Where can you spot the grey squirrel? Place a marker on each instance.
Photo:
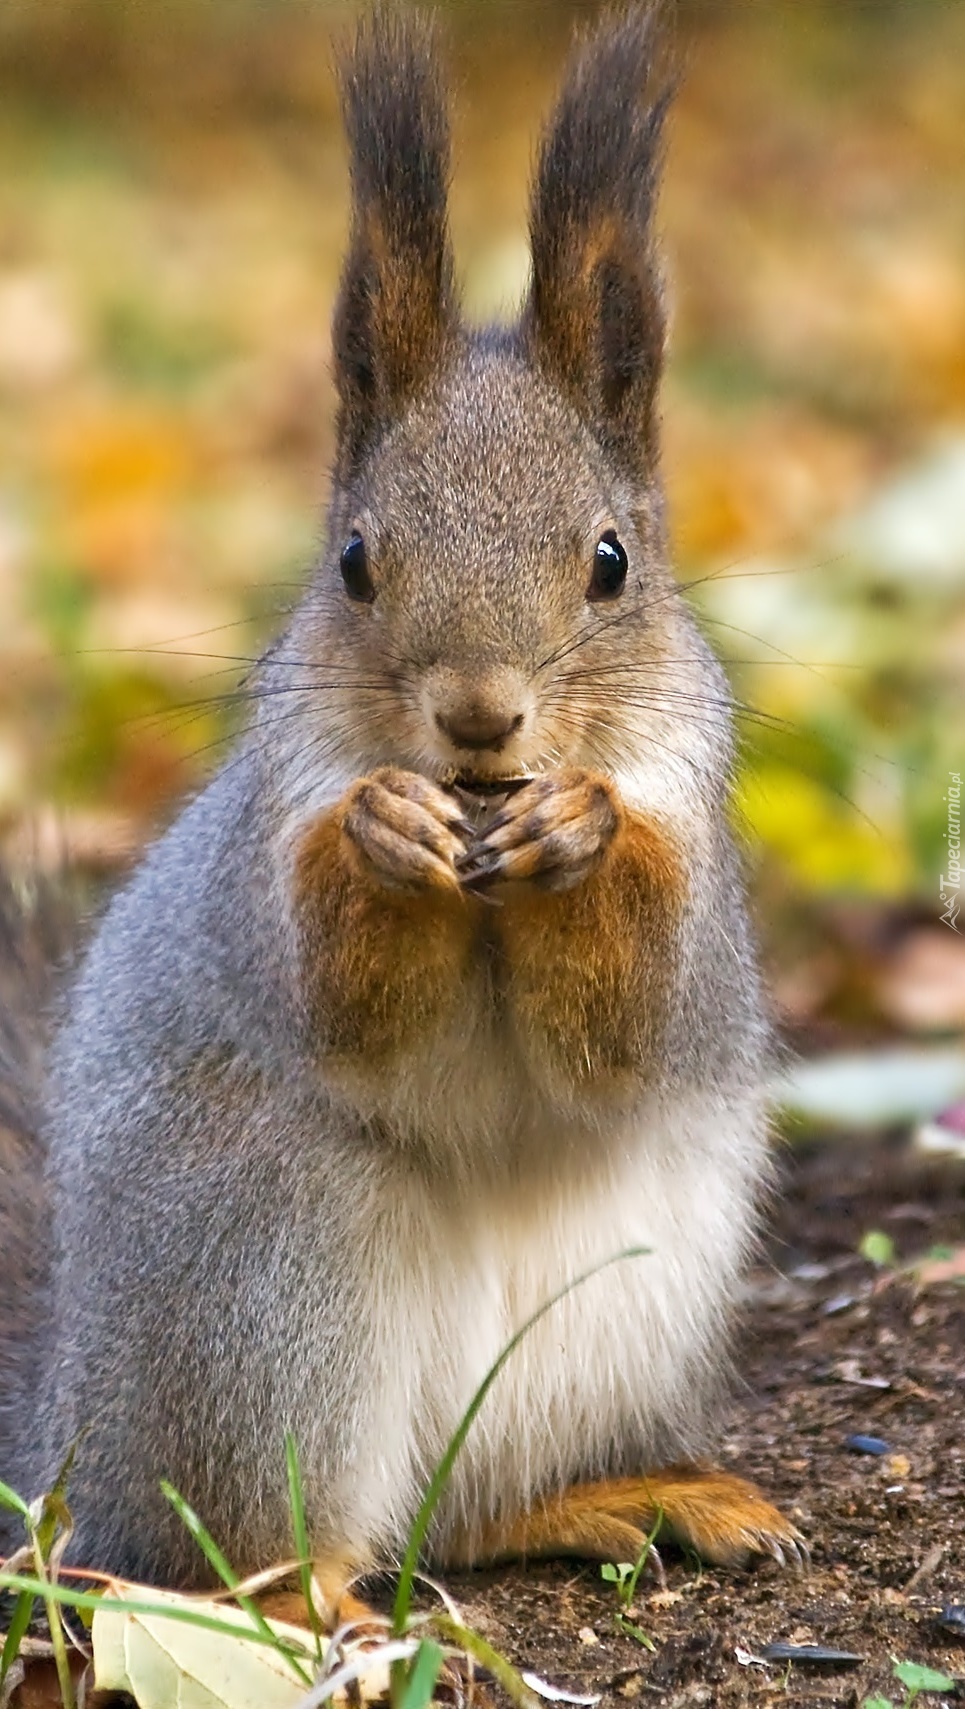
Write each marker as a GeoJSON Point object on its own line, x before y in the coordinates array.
{"type": "Point", "coordinates": [442, 990]}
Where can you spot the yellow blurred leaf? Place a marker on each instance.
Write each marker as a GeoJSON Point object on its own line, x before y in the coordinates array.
{"type": "Point", "coordinates": [825, 843]}
{"type": "Point", "coordinates": [118, 452]}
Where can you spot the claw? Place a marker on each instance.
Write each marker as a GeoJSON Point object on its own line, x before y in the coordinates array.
{"type": "Point", "coordinates": [503, 817]}
{"type": "Point", "coordinates": [475, 868]}
{"type": "Point", "coordinates": [790, 1551]}
{"type": "Point", "coordinates": [655, 1562]}
{"type": "Point", "coordinates": [481, 895]}
{"type": "Point", "coordinates": [458, 822]}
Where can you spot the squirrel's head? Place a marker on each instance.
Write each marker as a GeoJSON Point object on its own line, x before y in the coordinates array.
{"type": "Point", "coordinates": [495, 596]}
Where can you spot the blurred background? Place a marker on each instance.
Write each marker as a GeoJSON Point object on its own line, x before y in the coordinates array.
{"type": "Point", "coordinates": [172, 215]}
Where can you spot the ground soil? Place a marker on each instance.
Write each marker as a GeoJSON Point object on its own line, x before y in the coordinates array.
{"type": "Point", "coordinates": [829, 1347]}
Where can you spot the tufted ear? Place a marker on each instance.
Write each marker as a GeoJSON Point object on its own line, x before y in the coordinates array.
{"type": "Point", "coordinates": [595, 322]}
{"type": "Point", "coordinates": [395, 316]}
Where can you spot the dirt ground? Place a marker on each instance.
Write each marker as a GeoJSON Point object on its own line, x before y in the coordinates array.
{"type": "Point", "coordinates": [829, 1348]}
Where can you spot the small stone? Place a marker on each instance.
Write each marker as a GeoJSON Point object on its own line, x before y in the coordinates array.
{"type": "Point", "coordinates": [866, 1445]}
{"type": "Point", "coordinates": [810, 1272]}
{"type": "Point", "coordinates": [896, 1466]}
{"type": "Point", "coordinates": [587, 1635]}
{"type": "Point", "coordinates": [838, 1302]}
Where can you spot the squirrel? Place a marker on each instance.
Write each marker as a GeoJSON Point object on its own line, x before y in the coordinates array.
{"type": "Point", "coordinates": [443, 990]}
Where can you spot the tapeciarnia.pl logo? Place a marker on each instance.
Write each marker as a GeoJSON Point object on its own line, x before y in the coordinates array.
{"type": "Point", "coordinates": [950, 883]}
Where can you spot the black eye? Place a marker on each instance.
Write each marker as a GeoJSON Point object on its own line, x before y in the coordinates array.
{"type": "Point", "coordinates": [609, 568]}
{"type": "Point", "coordinates": [354, 564]}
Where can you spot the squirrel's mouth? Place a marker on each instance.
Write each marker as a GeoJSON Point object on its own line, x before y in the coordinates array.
{"type": "Point", "coordinates": [473, 785]}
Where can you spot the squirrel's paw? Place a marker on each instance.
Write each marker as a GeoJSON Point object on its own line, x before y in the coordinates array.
{"type": "Point", "coordinates": [725, 1519]}
{"type": "Point", "coordinates": [403, 831]}
{"type": "Point", "coordinates": [552, 832]}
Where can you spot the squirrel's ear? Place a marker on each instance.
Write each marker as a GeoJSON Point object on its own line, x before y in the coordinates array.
{"type": "Point", "coordinates": [595, 322]}
{"type": "Point", "coordinates": [395, 315]}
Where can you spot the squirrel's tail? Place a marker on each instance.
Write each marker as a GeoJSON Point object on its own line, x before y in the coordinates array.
{"type": "Point", "coordinates": [35, 931]}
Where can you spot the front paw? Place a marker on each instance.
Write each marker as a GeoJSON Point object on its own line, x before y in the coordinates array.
{"type": "Point", "coordinates": [553, 832]}
{"type": "Point", "coordinates": [402, 831]}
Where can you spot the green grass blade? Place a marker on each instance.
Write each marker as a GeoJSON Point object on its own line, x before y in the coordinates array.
{"type": "Point", "coordinates": [423, 1519]}
{"type": "Point", "coordinates": [156, 1610]}
{"type": "Point", "coordinates": [422, 1676]}
{"type": "Point", "coordinates": [19, 1621]}
{"type": "Point", "coordinates": [634, 1579]}
{"type": "Point", "coordinates": [54, 1510]}
{"type": "Point", "coordinates": [634, 1631]}
{"type": "Point", "coordinates": [10, 1498]}
{"type": "Point", "coordinates": [202, 1536]}
{"type": "Point", "coordinates": [226, 1572]}
{"type": "Point", "coordinates": [296, 1499]}
{"type": "Point", "coordinates": [475, 1645]}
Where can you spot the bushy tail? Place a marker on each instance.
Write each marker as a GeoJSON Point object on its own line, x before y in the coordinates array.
{"type": "Point", "coordinates": [35, 933]}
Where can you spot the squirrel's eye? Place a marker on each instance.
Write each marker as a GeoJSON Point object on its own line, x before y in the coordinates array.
{"type": "Point", "coordinates": [609, 568]}
{"type": "Point", "coordinates": [354, 564]}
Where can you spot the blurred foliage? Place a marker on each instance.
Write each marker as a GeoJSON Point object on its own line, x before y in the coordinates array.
{"type": "Point", "coordinates": [172, 213]}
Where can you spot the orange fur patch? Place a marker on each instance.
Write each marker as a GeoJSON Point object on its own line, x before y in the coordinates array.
{"type": "Point", "coordinates": [381, 965]}
{"type": "Point", "coordinates": [335, 1603]}
{"type": "Point", "coordinates": [588, 970]}
{"type": "Point", "coordinates": [722, 1517]}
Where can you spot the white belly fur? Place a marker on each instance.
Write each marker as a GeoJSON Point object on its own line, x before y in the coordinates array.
{"type": "Point", "coordinates": [613, 1375]}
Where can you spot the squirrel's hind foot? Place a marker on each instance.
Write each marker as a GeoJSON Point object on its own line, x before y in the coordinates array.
{"type": "Point", "coordinates": [723, 1518]}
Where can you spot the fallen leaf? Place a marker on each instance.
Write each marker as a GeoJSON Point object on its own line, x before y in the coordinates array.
{"type": "Point", "coordinates": [162, 1661]}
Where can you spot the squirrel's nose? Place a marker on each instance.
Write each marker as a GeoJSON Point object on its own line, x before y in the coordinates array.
{"type": "Point", "coordinates": [474, 727]}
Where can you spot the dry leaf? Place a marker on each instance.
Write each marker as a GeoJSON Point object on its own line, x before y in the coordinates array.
{"type": "Point", "coordinates": [165, 1663]}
